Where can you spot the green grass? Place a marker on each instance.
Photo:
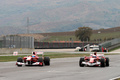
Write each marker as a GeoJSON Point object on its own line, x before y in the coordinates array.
{"type": "Point", "coordinates": [60, 38]}
{"type": "Point", "coordinates": [105, 35]}
{"type": "Point", "coordinates": [8, 58]}
{"type": "Point", "coordinates": [102, 36]}
{"type": "Point", "coordinates": [51, 55]}
{"type": "Point", "coordinates": [63, 55]}
{"type": "Point", "coordinates": [117, 79]}
{"type": "Point", "coordinates": [114, 49]}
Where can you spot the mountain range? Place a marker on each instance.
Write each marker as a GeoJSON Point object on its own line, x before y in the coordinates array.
{"type": "Point", "coordinates": [41, 16]}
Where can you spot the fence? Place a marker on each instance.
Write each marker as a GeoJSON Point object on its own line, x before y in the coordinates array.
{"type": "Point", "coordinates": [13, 41]}
{"type": "Point", "coordinates": [40, 45]}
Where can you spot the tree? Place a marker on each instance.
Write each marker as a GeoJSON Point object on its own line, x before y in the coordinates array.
{"type": "Point", "coordinates": [83, 33]}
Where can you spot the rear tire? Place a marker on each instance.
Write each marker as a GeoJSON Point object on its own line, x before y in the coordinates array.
{"type": "Point", "coordinates": [47, 61]}
{"type": "Point", "coordinates": [107, 61]}
{"type": "Point", "coordinates": [80, 62]}
{"type": "Point", "coordinates": [19, 60]}
{"type": "Point", "coordinates": [102, 60]}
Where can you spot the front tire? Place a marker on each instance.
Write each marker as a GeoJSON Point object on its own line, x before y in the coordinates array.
{"type": "Point", "coordinates": [102, 60]}
{"type": "Point", "coordinates": [47, 61]}
{"type": "Point", "coordinates": [19, 60]}
{"type": "Point", "coordinates": [107, 62]}
{"type": "Point", "coordinates": [80, 62]}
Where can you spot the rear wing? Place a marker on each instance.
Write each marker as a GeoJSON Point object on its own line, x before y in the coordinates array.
{"type": "Point", "coordinates": [97, 54]}
{"type": "Point", "coordinates": [100, 54]}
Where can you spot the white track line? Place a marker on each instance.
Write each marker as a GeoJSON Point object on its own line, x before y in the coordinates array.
{"type": "Point", "coordinates": [114, 78]}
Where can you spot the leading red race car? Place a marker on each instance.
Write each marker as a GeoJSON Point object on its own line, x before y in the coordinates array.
{"type": "Point", "coordinates": [33, 60]}
{"type": "Point", "coordinates": [94, 60]}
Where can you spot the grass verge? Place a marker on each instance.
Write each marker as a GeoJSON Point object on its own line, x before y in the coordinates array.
{"type": "Point", "coordinates": [51, 55]}
{"type": "Point", "coordinates": [117, 79]}
{"type": "Point", "coordinates": [114, 49]}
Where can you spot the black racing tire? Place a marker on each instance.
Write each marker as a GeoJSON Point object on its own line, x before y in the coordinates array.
{"type": "Point", "coordinates": [47, 61]}
{"type": "Point", "coordinates": [80, 62]}
{"type": "Point", "coordinates": [107, 61]}
{"type": "Point", "coordinates": [102, 61]}
{"type": "Point", "coordinates": [40, 59]}
{"type": "Point", "coordinates": [19, 59]}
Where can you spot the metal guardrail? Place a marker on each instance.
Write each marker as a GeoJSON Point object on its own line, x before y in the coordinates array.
{"type": "Point", "coordinates": [110, 44]}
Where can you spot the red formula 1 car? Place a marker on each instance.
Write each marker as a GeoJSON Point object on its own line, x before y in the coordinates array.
{"type": "Point", "coordinates": [94, 60]}
{"type": "Point", "coordinates": [33, 60]}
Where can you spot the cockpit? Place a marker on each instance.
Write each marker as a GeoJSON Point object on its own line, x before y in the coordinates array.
{"type": "Point", "coordinates": [94, 57]}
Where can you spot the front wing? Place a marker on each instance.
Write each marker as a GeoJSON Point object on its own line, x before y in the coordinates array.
{"type": "Point", "coordinates": [91, 64]}
{"type": "Point", "coordinates": [36, 63]}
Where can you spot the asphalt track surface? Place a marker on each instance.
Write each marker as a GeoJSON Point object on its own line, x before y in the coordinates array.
{"type": "Point", "coordinates": [61, 69]}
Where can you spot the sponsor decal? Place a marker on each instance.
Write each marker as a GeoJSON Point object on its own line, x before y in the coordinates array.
{"type": "Point", "coordinates": [15, 53]}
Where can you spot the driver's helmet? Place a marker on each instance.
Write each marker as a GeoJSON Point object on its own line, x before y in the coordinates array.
{"type": "Point", "coordinates": [33, 54]}
{"type": "Point", "coordinates": [95, 53]}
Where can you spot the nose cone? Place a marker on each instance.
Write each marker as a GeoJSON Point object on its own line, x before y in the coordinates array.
{"type": "Point", "coordinates": [28, 58]}
{"type": "Point", "coordinates": [91, 60]}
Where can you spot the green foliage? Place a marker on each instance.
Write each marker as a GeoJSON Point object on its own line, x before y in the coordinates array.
{"type": "Point", "coordinates": [83, 33]}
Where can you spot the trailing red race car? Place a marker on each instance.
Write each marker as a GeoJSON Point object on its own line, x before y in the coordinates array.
{"type": "Point", "coordinates": [94, 60]}
{"type": "Point", "coordinates": [33, 60]}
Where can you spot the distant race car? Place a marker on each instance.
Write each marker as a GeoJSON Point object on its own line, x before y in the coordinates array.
{"type": "Point", "coordinates": [33, 60]}
{"type": "Point", "coordinates": [94, 48]}
{"type": "Point", "coordinates": [94, 60]}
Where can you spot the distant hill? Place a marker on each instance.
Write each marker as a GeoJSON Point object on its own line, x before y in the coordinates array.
{"type": "Point", "coordinates": [57, 15]}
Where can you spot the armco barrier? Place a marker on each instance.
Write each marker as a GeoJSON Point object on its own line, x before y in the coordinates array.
{"type": "Point", "coordinates": [110, 44]}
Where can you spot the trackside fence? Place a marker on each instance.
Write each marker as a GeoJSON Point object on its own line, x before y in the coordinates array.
{"type": "Point", "coordinates": [50, 45]}
{"type": "Point", "coordinates": [13, 41]}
